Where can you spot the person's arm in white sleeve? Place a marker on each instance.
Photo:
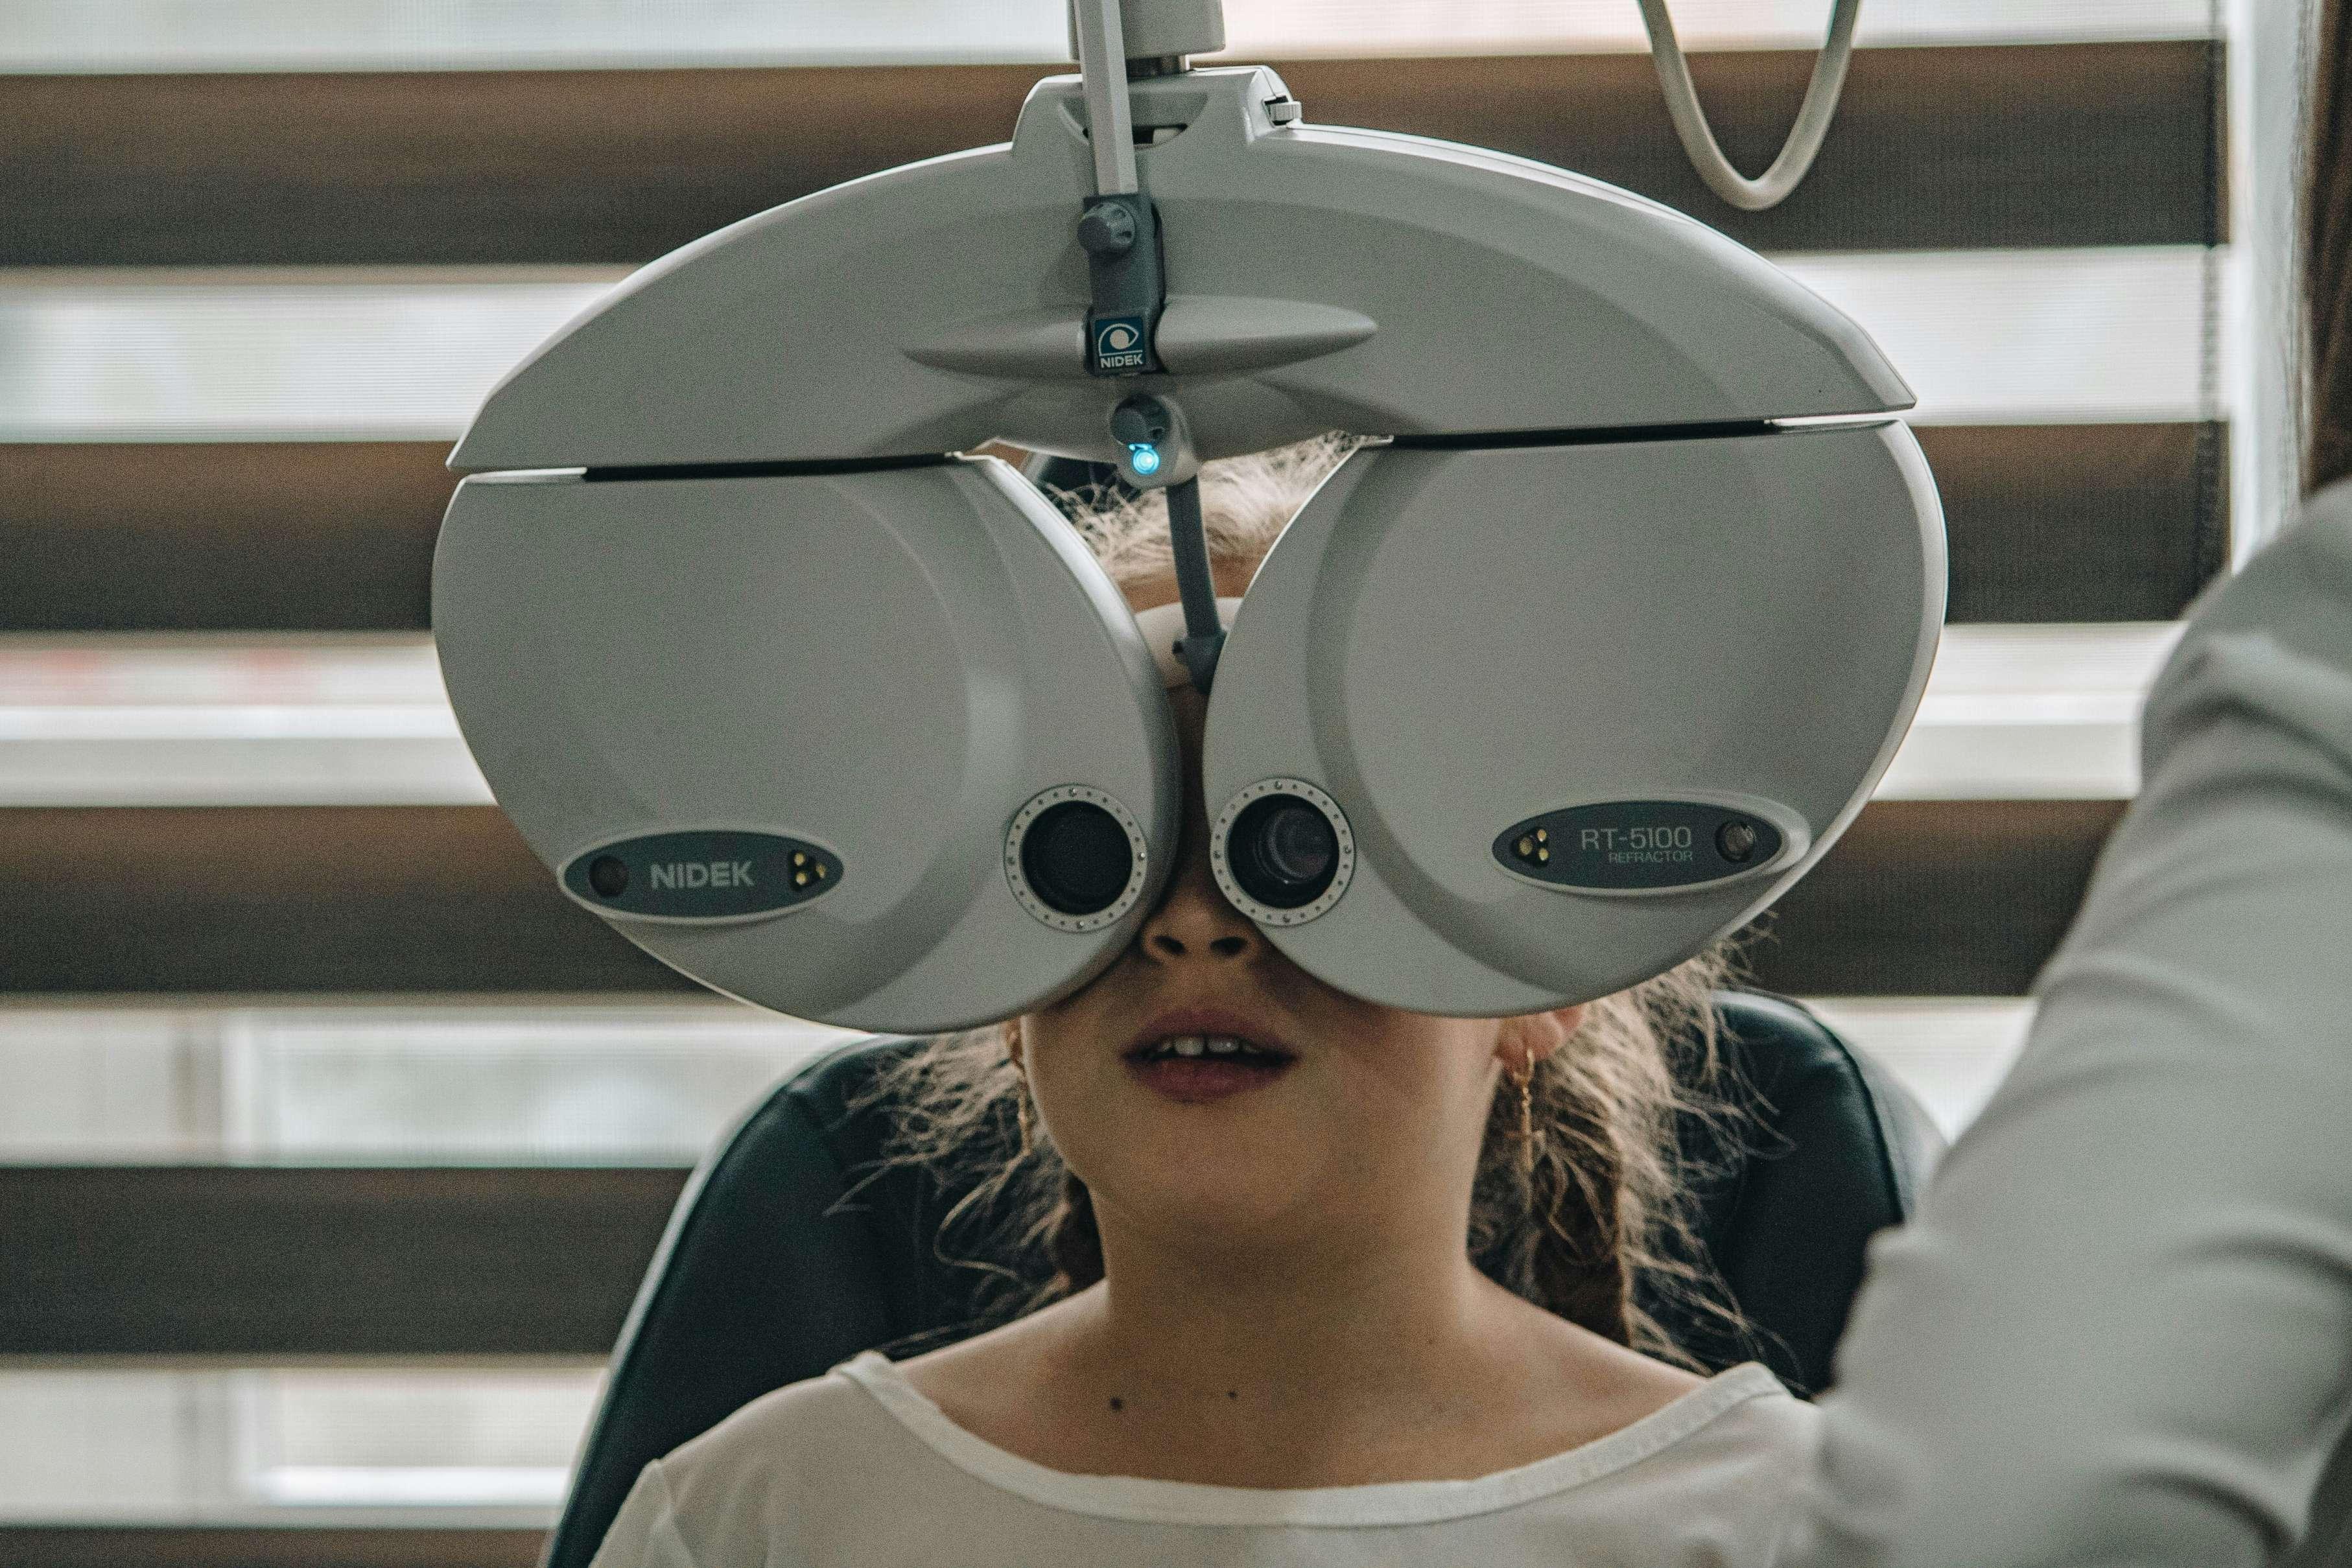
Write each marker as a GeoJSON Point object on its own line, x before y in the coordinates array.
{"type": "Point", "coordinates": [2119, 1330]}
{"type": "Point", "coordinates": [644, 1534]}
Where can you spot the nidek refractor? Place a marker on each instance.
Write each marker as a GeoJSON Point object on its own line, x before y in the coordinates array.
{"type": "Point", "coordinates": [1584, 661]}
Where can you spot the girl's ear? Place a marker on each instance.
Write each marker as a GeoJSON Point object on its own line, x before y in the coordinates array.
{"type": "Point", "coordinates": [1010, 1030]}
{"type": "Point", "coordinates": [1531, 1037]}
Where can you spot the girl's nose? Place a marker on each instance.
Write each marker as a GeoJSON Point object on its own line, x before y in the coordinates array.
{"type": "Point", "coordinates": [1194, 919]}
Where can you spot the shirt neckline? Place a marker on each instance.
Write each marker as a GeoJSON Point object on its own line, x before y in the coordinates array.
{"type": "Point", "coordinates": [1148, 1499]}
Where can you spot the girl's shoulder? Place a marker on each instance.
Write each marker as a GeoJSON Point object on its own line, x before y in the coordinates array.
{"type": "Point", "coordinates": [816, 1413]}
{"type": "Point", "coordinates": [1747, 1441]}
{"type": "Point", "coordinates": [716, 1496]}
{"type": "Point", "coordinates": [762, 1475]}
{"type": "Point", "coordinates": [1759, 1412]}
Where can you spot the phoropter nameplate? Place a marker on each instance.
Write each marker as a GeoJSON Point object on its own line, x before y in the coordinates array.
{"type": "Point", "coordinates": [1641, 846]}
{"type": "Point", "coordinates": [701, 874]}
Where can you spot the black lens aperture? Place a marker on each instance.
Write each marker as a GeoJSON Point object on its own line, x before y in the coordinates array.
{"type": "Point", "coordinates": [1283, 851]}
{"type": "Point", "coordinates": [1076, 858]}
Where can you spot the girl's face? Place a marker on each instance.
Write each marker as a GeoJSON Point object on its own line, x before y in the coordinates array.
{"type": "Point", "coordinates": [1372, 1125]}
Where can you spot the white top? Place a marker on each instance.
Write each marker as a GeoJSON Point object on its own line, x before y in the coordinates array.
{"type": "Point", "coordinates": [859, 1470]}
{"type": "Point", "coordinates": [2119, 1330]}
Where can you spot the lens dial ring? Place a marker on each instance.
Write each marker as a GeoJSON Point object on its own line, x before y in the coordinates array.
{"type": "Point", "coordinates": [1288, 871]}
{"type": "Point", "coordinates": [1054, 899]}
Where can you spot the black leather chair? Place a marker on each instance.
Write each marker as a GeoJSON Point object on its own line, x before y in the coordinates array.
{"type": "Point", "coordinates": [759, 1281]}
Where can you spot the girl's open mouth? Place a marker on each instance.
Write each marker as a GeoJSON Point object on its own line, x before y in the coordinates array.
{"type": "Point", "coordinates": [1195, 1070]}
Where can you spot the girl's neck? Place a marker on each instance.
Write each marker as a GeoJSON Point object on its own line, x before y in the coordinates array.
{"type": "Point", "coordinates": [1304, 1377]}
{"type": "Point", "coordinates": [1368, 1328]}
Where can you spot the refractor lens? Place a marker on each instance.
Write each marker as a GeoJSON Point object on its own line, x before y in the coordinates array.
{"type": "Point", "coordinates": [1076, 858]}
{"type": "Point", "coordinates": [1283, 851]}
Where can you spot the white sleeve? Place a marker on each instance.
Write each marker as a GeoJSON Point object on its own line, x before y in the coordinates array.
{"type": "Point", "coordinates": [644, 1534]}
{"type": "Point", "coordinates": [2120, 1329]}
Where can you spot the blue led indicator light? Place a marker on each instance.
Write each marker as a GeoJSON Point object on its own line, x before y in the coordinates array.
{"type": "Point", "coordinates": [1146, 459]}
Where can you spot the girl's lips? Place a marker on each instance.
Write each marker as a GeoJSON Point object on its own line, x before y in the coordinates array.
{"type": "Point", "coordinates": [1196, 1080]}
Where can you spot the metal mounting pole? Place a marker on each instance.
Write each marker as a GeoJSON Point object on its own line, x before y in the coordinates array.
{"type": "Point", "coordinates": [1160, 30]}
{"type": "Point", "coordinates": [1120, 231]}
{"type": "Point", "coordinates": [1102, 61]}
{"type": "Point", "coordinates": [1119, 227]}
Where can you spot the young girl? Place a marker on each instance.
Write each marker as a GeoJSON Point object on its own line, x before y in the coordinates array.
{"type": "Point", "coordinates": [1329, 1282]}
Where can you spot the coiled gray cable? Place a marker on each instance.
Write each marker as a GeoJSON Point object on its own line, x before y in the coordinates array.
{"type": "Point", "coordinates": [1804, 140]}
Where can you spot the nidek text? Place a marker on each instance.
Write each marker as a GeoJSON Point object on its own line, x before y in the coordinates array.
{"type": "Point", "coordinates": [702, 873]}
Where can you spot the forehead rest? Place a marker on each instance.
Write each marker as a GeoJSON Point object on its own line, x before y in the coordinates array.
{"type": "Point", "coordinates": [1163, 625]}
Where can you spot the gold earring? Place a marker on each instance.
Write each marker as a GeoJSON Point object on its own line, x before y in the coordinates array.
{"type": "Point", "coordinates": [1524, 1080]}
{"type": "Point", "coordinates": [1026, 1108]}
{"type": "Point", "coordinates": [1028, 1121]}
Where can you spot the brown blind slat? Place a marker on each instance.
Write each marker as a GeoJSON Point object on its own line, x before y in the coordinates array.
{"type": "Point", "coordinates": [272, 1261]}
{"type": "Point", "coordinates": [296, 536]}
{"type": "Point", "coordinates": [303, 899]}
{"type": "Point", "coordinates": [2073, 144]}
{"type": "Point", "coordinates": [2094, 522]}
{"type": "Point", "coordinates": [2090, 522]}
{"type": "Point", "coordinates": [1919, 898]}
{"type": "Point", "coordinates": [149, 1546]}
{"type": "Point", "coordinates": [1933, 149]}
{"type": "Point", "coordinates": [1936, 898]}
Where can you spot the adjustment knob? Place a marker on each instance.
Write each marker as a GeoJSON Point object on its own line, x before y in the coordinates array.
{"type": "Point", "coordinates": [1107, 229]}
{"type": "Point", "coordinates": [1141, 421]}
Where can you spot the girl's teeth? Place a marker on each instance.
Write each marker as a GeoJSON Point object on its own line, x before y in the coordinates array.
{"type": "Point", "coordinates": [1204, 1045]}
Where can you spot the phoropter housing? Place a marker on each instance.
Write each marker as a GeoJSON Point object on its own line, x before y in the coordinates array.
{"type": "Point", "coordinates": [1578, 670]}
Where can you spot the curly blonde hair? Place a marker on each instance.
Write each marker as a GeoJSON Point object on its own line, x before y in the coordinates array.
{"type": "Point", "coordinates": [1603, 1233]}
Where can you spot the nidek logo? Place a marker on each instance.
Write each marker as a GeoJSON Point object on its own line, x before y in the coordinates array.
{"type": "Point", "coordinates": [703, 874]}
{"type": "Point", "coordinates": [1118, 344]}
